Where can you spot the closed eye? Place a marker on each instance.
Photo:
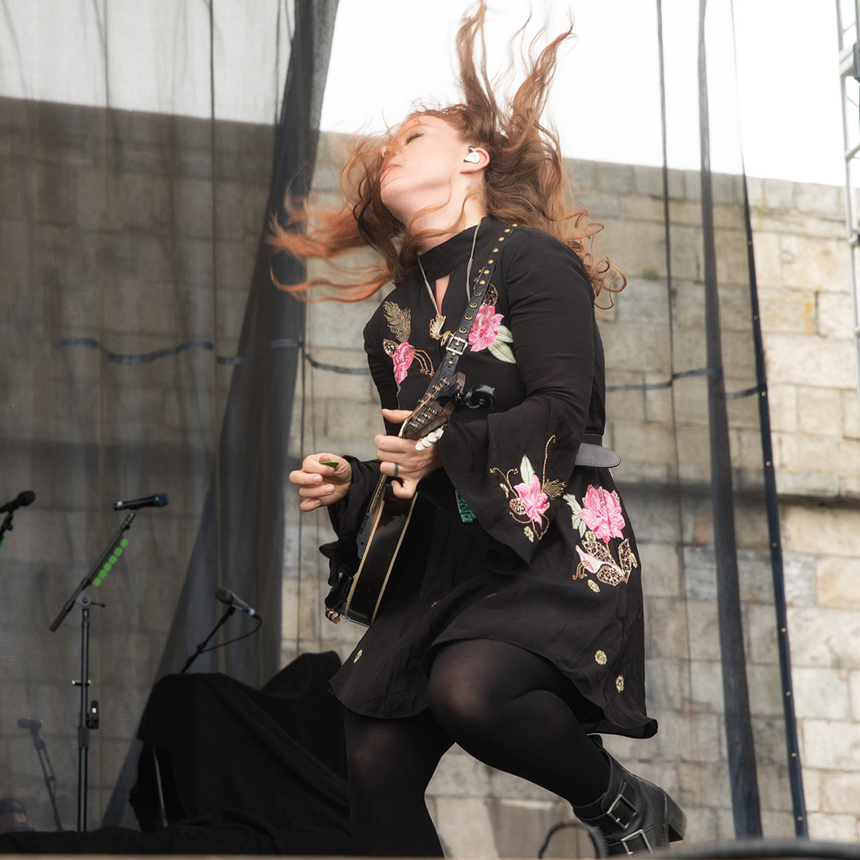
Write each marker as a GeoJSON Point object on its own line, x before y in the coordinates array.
{"type": "Point", "coordinates": [413, 136]}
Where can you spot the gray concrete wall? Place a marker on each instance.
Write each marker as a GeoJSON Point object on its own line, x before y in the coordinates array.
{"type": "Point", "coordinates": [662, 436]}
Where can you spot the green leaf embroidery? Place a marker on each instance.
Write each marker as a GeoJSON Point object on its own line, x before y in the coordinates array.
{"type": "Point", "coordinates": [527, 471]}
{"type": "Point", "coordinates": [502, 352]}
{"type": "Point", "coordinates": [575, 509]}
{"type": "Point", "coordinates": [499, 348]}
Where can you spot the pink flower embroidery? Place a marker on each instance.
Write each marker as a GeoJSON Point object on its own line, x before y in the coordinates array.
{"type": "Point", "coordinates": [485, 329]}
{"type": "Point", "coordinates": [535, 501]}
{"type": "Point", "coordinates": [402, 358]}
{"type": "Point", "coordinates": [602, 514]}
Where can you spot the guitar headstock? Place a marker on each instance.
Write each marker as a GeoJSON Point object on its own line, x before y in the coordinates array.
{"type": "Point", "coordinates": [435, 408]}
{"type": "Point", "coordinates": [437, 405]}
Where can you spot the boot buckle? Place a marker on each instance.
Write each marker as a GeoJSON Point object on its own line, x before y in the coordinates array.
{"type": "Point", "coordinates": [639, 834]}
{"type": "Point", "coordinates": [621, 805]}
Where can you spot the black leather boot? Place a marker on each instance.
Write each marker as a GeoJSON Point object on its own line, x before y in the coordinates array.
{"type": "Point", "coordinates": [634, 814]}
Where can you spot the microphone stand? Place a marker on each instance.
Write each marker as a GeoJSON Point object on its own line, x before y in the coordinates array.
{"type": "Point", "coordinates": [6, 526]}
{"type": "Point", "coordinates": [162, 811]}
{"type": "Point", "coordinates": [47, 772]}
{"type": "Point", "coordinates": [89, 718]}
{"type": "Point", "coordinates": [205, 642]}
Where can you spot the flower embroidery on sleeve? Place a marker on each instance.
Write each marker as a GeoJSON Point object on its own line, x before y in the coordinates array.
{"type": "Point", "coordinates": [529, 499]}
{"type": "Point", "coordinates": [401, 351]}
{"type": "Point", "coordinates": [598, 520]}
{"type": "Point", "coordinates": [534, 500]}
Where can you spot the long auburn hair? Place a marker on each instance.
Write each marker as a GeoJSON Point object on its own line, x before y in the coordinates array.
{"type": "Point", "coordinates": [524, 182]}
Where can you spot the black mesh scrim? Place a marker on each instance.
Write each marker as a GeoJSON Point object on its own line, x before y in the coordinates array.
{"type": "Point", "coordinates": [144, 350]}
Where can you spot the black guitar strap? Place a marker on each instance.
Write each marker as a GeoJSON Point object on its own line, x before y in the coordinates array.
{"type": "Point", "coordinates": [591, 451]}
{"type": "Point", "coordinates": [457, 342]}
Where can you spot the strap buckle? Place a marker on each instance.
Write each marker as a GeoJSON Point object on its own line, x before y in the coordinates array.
{"type": "Point", "coordinates": [617, 808]}
{"type": "Point", "coordinates": [639, 834]}
{"type": "Point", "coordinates": [456, 345]}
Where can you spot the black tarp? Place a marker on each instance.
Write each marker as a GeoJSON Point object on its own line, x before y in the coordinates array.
{"type": "Point", "coordinates": [242, 771]}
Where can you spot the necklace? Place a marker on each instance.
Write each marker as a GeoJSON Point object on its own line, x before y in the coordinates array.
{"type": "Point", "coordinates": [438, 321]}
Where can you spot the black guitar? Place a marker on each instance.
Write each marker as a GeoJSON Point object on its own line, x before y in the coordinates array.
{"type": "Point", "coordinates": [356, 596]}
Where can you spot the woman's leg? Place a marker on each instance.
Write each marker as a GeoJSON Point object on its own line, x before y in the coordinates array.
{"type": "Point", "coordinates": [515, 711]}
{"type": "Point", "coordinates": [512, 710]}
{"type": "Point", "coordinates": [390, 764]}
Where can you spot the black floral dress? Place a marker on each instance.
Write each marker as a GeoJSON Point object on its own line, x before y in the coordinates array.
{"type": "Point", "coordinates": [510, 541]}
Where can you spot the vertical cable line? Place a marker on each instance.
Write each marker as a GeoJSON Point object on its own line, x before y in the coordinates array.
{"type": "Point", "coordinates": [795, 773]}
{"type": "Point", "coordinates": [213, 156]}
{"type": "Point", "coordinates": [102, 24]}
{"type": "Point", "coordinates": [666, 210]}
{"type": "Point", "coordinates": [300, 521]}
{"type": "Point", "coordinates": [849, 69]}
{"type": "Point", "coordinates": [277, 69]}
{"type": "Point", "coordinates": [667, 226]}
{"type": "Point", "coordinates": [300, 525]}
{"type": "Point", "coordinates": [110, 142]}
{"type": "Point", "coordinates": [746, 806]}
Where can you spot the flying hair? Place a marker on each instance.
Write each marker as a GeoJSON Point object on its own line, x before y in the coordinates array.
{"type": "Point", "coordinates": [524, 182]}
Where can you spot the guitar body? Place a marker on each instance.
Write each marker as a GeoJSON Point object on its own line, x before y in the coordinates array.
{"type": "Point", "coordinates": [357, 596]}
{"type": "Point", "coordinates": [387, 526]}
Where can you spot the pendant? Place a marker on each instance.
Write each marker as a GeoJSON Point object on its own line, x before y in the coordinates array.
{"type": "Point", "coordinates": [436, 326]}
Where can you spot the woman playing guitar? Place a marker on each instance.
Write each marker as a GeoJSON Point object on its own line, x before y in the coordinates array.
{"type": "Point", "coordinates": [512, 623]}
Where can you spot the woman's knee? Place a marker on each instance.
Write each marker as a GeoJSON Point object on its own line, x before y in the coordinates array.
{"type": "Point", "coordinates": [475, 683]}
{"type": "Point", "coordinates": [463, 704]}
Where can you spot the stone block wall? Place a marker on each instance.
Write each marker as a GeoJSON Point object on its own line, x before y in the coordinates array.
{"type": "Point", "coordinates": [803, 268]}
{"type": "Point", "coordinates": [662, 435]}
{"type": "Point", "coordinates": [129, 240]}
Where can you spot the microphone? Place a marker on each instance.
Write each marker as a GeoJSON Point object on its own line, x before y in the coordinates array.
{"type": "Point", "coordinates": [159, 500]}
{"type": "Point", "coordinates": [30, 724]}
{"type": "Point", "coordinates": [20, 501]}
{"type": "Point", "coordinates": [227, 596]}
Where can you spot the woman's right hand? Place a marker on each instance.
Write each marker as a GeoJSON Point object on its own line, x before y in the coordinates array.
{"type": "Point", "coordinates": [320, 485]}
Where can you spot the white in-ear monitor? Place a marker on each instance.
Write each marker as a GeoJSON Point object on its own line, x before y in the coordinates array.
{"type": "Point", "coordinates": [473, 157]}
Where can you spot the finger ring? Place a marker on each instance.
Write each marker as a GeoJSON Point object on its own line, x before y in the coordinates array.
{"type": "Point", "coordinates": [396, 469]}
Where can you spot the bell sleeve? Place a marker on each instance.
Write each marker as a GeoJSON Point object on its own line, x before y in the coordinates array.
{"type": "Point", "coordinates": [512, 468]}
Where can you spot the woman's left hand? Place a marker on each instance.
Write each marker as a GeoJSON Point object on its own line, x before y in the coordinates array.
{"type": "Point", "coordinates": [399, 459]}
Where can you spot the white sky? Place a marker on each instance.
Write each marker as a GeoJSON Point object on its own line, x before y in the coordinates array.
{"type": "Point", "coordinates": [605, 101]}
{"type": "Point", "coordinates": [388, 53]}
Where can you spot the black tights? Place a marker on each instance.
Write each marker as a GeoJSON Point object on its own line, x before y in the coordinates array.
{"type": "Point", "coordinates": [508, 707]}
